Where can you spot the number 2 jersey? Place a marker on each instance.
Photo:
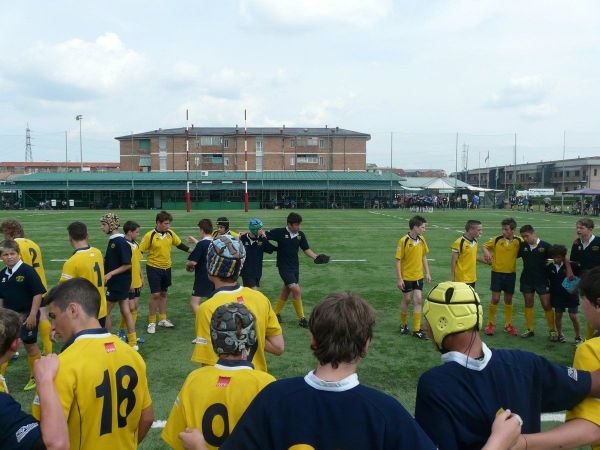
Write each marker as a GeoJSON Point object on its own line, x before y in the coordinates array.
{"type": "Point", "coordinates": [221, 392]}
{"type": "Point", "coordinates": [103, 389]}
{"type": "Point", "coordinates": [87, 262]}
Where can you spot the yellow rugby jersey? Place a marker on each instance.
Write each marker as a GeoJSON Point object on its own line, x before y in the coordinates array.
{"type": "Point", "coordinates": [587, 357]}
{"type": "Point", "coordinates": [466, 265]}
{"type": "Point", "coordinates": [3, 386]}
{"type": "Point", "coordinates": [505, 253]}
{"type": "Point", "coordinates": [88, 263]}
{"type": "Point", "coordinates": [212, 399]}
{"type": "Point", "coordinates": [215, 234]}
{"type": "Point", "coordinates": [410, 252]}
{"type": "Point", "coordinates": [266, 323]}
{"type": "Point", "coordinates": [32, 256]}
{"type": "Point", "coordinates": [136, 270]}
{"type": "Point", "coordinates": [102, 386]}
{"type": "Point", "coordinates": [158, 245]}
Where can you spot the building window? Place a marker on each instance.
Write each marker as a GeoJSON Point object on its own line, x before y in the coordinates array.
{"type": "Point", "coordinates": [292, 143]}
{"type": "Point", "coordinates": [595, 172]}
{"type": "Point", "coordinates": [577, 173]}
{"type": "Point", "coordinates": [307, 159]}
{"type": "Point", "coordinates": [291, 160]}
{"type": "Point", "coordinates": [144, 145]}
{"type": "Point", "coordinates": [321, 143]}
{"type": "Point", "coordinates": [215, 158]}
{"type": "Point", "coordinates": [259, 163]}
{"type": "Point", "coordinates": [568, 173]}
{"type": "Point", "coordinates": [321, 161]}
{"type": "Point", "coordinates": [259, 146]}
{"type": "Point", "coordinates": [211, 140]}
{"type": "Point", "coordinates": [225, 143]}
{"type": "Point", "coordinates": [162, 153]}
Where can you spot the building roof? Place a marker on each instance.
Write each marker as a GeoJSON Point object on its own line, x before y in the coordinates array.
{"type": "Point", "coordinates": [253, 131]}
{"type": "Point", "coordinates": [58, 164]}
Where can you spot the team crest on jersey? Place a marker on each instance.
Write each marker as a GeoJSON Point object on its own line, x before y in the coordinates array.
{"type": "Point", "coordinates": [110, 347]}
{"type": "Point", "coordinates": [112, 245]}
{"type": "Point", "coordinates": [20, 278]}
{"type": "Point", "coordinates": [240, 300]}
{"type": "Point", "coordinates": [542, 250]}
{"type": "Point", "coordinates": [572, 373]}
{"type": "Point", "coordinates": [259, 243]}
{"type": "Point", "coordinates": [595, 248]}
{"type": "Point", "coordinates": [298, 237]}
{"type": "Point", "coordinates": [223, 381]}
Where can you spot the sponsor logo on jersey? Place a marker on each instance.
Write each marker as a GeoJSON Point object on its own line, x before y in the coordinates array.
{"type": "Point", "coordinates": [240, 300]}
{"type": "Point", "coordinates": [110, 347]}
{"type": "Point", "coordinates": [223, 381]}
{"type": "Point", "coordinates": [24, 431]}
{"type": "Point", "coordinates": [572, 373]}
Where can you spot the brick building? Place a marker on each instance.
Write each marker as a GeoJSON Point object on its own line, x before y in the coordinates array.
{"type": "Point", "coordinates": [222, 149]}
{"type": "Point", "coordinates": [9, 168]}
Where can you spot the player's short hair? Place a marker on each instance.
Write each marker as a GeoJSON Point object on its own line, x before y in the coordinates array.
{"type": "Point", "coordinates": [130, 225]}
{"type": "Point", "coordinates": [585, 222]}
{"type": "Point", "coordinates": [526, 229]}
{"type": "Point", "coordinates": [557, 250]}
{"type": "Point", "coordinates": [294, 218]}
{"type": "Point", "coordinates": [14, 228]}
{"type": "Point", "coordinates": [225, 258]}
{"type": "Point", "coordinates": [223, 222]}
{"type": "Point", "coordinates": [471, 224]}
{"type": "Point", "coordinates": [232, 329]}
{"type": "Point", "coordinates": [512, 223]}
{"type": "Point", "coordinates": [163, 216]}
{"type": "Point", "coordinates": [589, 286]}
{"type": "Point", "coordinates": [9, 244]}
{"type": "Point", "coordinates": [75, 290]}
{"type": "Point", "coordinates": [416, 221]}
{"type": "Point", "coordinates": [10, 328]}
{"type": "Point", "coordinates": [206, 226]}
{"type": "Point", "coordinates": [78, 231]}
{"type": "Point", "coordinates": [341, 324]}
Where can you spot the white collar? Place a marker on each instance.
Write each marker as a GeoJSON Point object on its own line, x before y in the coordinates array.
{"type": "Point", "coordinates": [468, 362]}
{"type": "Point", "coordinates": [342, 385]}
{"type": "Point", "coordinates": [222, 367]}
{"type": "Point", "coordinates": [207, 238]}
{"type": "Point", "coordinates": [592, 237]}
{"type": "Point", "coordinates": [114, 236]}
{"type": "Point", "coordinates": [292, 235]}
{"type": "Point", "coordinates": [14, 269]}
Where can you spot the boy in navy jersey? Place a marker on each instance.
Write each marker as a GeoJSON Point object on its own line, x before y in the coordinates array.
{"type": "Point", "coordinates": [560, 298]}
{"type": "Point", "coordinates": [196, 263]}
{"type": "Point", "coordinates": [117, 273]}
{"type": "Point", "coordinates": [21, 290]}
{"type": "Point", "coordinates": [256, 244]}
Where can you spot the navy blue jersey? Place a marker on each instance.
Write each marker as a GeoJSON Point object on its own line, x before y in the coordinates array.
{"type": "Point", "coordinates": [291, 412]}
{"type": "Point", "coordinates": [118, 253]}
{"type": "Point", "coordinates": [287, 247]}
{"type": "Point", "coordinates": [255, 250]}
{"type": "Point", "coordinates": [534, 262]}
{"type": "Point", "coordinates": [586, 258]}
{"type": "Point", "coordinates": [556, 276]}
{"type": "Point", "coordinates": [18, 289]}
{"type": "Point", "coordinates": [198, 255]}
{"type": "Point", "coordinates": [456, 405]}
{"type": "Point", "coordinates": [18, 430]}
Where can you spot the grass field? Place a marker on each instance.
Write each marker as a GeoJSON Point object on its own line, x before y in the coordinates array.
{"type": "Point", "coordinates": [362, 245]}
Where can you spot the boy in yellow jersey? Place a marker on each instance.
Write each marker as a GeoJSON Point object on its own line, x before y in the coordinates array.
{"type": "Point", "coordinates": [224, 262]}
{"type": "Point", "coordinates": [223, 228]}
{"type": "Point", "coordinates": [463, 264]}
{"type": "Point", "coordinates": [101, 381]}
{"type": "Point", "coordinates": [411, 259]}
{"type": "Point", "coordinates": [503, 251]}
{"type": "Point", "coordinates": [213, 398]}
{"type": "Point", "coordinates": [132, 231]}
{"type": "Point", "coordinates": [21, 290]}
{"type": "Point", "coordinates": [32, 256]}
{"type": "Point", "coordinates": [158, 243]}
{"type": "Point", "coordinates": [85, 262]}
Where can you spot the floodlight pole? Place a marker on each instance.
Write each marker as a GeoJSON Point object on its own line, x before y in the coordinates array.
{"type": "Point", "coordinates": [67, 165]}
{"type": "Point", "coordinates": [245, 164]}
{"type": "Point", "coordinates": [188, 201]}
{"type": "Point", "coordinates": [562, 190]}
{"type": "Point", "coordinates": [79, 118]}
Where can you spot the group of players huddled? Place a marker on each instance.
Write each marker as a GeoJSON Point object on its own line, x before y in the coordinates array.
{"type": "Point", "coordinates": [478, 398]}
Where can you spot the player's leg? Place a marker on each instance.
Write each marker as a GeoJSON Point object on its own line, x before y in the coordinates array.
{"type": "Point", "coordinates": [558, 316]}
{"type": "Point", "coordinates": [508, 286]}
{"type": "Point", "coordinates": [284, 294]}
{"type": "Point", "coordinates": [33, 354]}
{"type": "Point", "coordinates": [576, 325]}
{"type": "Point", "coordinates": [153, 277]}
{"type": "Point", "coordinates": [529, 298]}
{"type": "Point", "coordinates": [45, 330]}
{"type": "Point", "coordinates": [162, 299]}
{"type": "Point", "coordinates": [417, 308]}
{"type": "Point", "coordinates": [109, 307]}
{"type": "Point", "coordinates": [406, 297]}
{"type": "Point", "coordinates": [489, 329]}
{"type": "Point", "coordinates": [126, 312]}
{"type": "Point", "coordinates": [298, 307]}
{"type": "Point", "coordinates": [549, 314]}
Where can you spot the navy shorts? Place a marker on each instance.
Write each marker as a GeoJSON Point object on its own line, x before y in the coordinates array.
{"type": "Point", "coordinates": [560, 303]}
{"type": "Point", "coordinates": [251, 281]}
{"type": "Point", "coordinates": [29, 336]}
{"type": "Point", "coordinates": [117, 295]}
{"type": "Point", "coordinates": [159, 280]}
{"type": "Point", "coordinates": [290, 276]}
{"type": "Point", "coordinates": [530, 288]}
{"type": "Point", "coordinates": [203, 289]}
{"type": "Point", "coordinates": [413, 286]}
{"type": "Point", "coordinates": [135, 293]}
{"type": "Point", "coordinates": [503, 282]}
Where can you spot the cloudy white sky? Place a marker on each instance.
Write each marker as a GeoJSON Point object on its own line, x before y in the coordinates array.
{"type": "Point", "coordinates": [423, 71]}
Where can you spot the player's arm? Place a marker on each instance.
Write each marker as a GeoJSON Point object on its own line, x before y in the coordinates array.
{"type": "Point", "coordinates": [35, 307]}
{"type": "Point", "coordinates": [274, 344]}
{"type": "Point", "coordinates": [178, 243]}
{"type": "Point", "coordinates": [427, 271]}
{"type": "Point", "coordinates": [399, 280]}
{"type": "Point", "coordinates": [121, 269]}
{"type": "Point", "coordinates": [506, 431]}
{"type": "Point", "coordinates": [146, 420]}
{"type": "Point", "coordinates": [453, 261]}
{"type": "Point", "coordinates": [192, 439]}
{"type": "Point", "coordinates": [572, 434]}
{"type": "Point", "coordinates": [55, 433]}
{"type": "Point", "coordinates": [308, 252]}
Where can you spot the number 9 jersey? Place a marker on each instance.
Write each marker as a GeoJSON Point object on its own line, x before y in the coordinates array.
{"type": "Point", "coordinates": [88, 263]}
{"type": "Point", "coordinates": [103, 389]}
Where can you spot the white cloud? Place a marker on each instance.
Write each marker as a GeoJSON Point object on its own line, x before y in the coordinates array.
{"type": "Point", "coordinates": [294, 14]}
{"type": "Point", "coordinates": [325, 112]}
{"type": "Point", "coordinates": [538, 112]}
{"type": "Point", "coordinates": [520, 91]}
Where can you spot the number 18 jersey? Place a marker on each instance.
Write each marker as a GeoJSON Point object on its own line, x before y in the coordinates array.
{"type": "Point", "coordinates": [103, 389]}
{"type": "Point", "coordinates": [88, 263]}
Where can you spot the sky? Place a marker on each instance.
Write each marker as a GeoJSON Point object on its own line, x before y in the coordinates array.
{"type": "Point", "coordinates": [430, 81]}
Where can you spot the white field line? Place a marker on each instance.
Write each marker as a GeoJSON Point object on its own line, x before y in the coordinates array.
{"type": "Point", "coordinates": [333, 260]}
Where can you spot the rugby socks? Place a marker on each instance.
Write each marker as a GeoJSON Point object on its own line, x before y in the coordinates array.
{"type": "Point", "coordinates": [529, 318]}
{"type": "Point", "coordinates": [3, 368]}
{"type": "Point", "coordinates": [162, 317]}
{"type": "Point", "coordinates": [589, 332]}
{"type": "Point", "coordinates": [279, 305]}
{"type": "Point", "coordinates": [30, 361]}
{"type": "Point", "coordinates": [45, 329]}
{"type": "Point", "coordinates": [508, 309]}
{"type": "Point", "coordinates": [492, 314]}
{"type": "Point", "coordinates": [132, 339]}
{"type": "Point", "coordinates": [550, 320]}
{"type": "Point", "coordinates": [122, 323]}
{"type": "Point", "coordinates": [299, 309]}
{"type": "Point", "coordinates": [403, 318]}
{"type": "Point", "coordinates": [134, 315]}
{"type": "Point", "coordinates": [152, 318]}
{"type": "Point", "coordinates": [416, 321]}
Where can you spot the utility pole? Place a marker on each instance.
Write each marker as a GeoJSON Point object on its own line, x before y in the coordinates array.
{"type": "Point", "coordinates": [28, 154]}
{"type": "Point", "coordinates": [79, 118]}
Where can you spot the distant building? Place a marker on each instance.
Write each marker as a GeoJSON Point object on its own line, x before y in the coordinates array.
{"type": "Point", "coordinates": [579, 173]}
{"type": "Point", "coordinates": [22, 168]}
{"type": "Point", "coordinates": [222, 149]}
{"type": "Point", "coordinates": [423, 173]}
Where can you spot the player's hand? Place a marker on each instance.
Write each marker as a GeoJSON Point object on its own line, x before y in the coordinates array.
{"type": "Point", "coordinates": [31, 321]}
{"type": "Point", "coordinates": [107, 277]}
{"type": "Point", "coordinates": [506, 430]}
{"type": "Point", "coordinates": [261, 233]}
{"type": "Point", "coordinates": [190, 266]}
{"type": "Point", "coordinates": [400, 284]}
{"type": "Point", "coordinates": [321, 259]}
{"type": "Point", "coordinates": [45, 368]}
{"type": "Point", "coordinates": [192, 240]}
{"type": "Point", "coordinates": [427, 278]}
{"type": "Point", "coordinates": [192, 439]}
